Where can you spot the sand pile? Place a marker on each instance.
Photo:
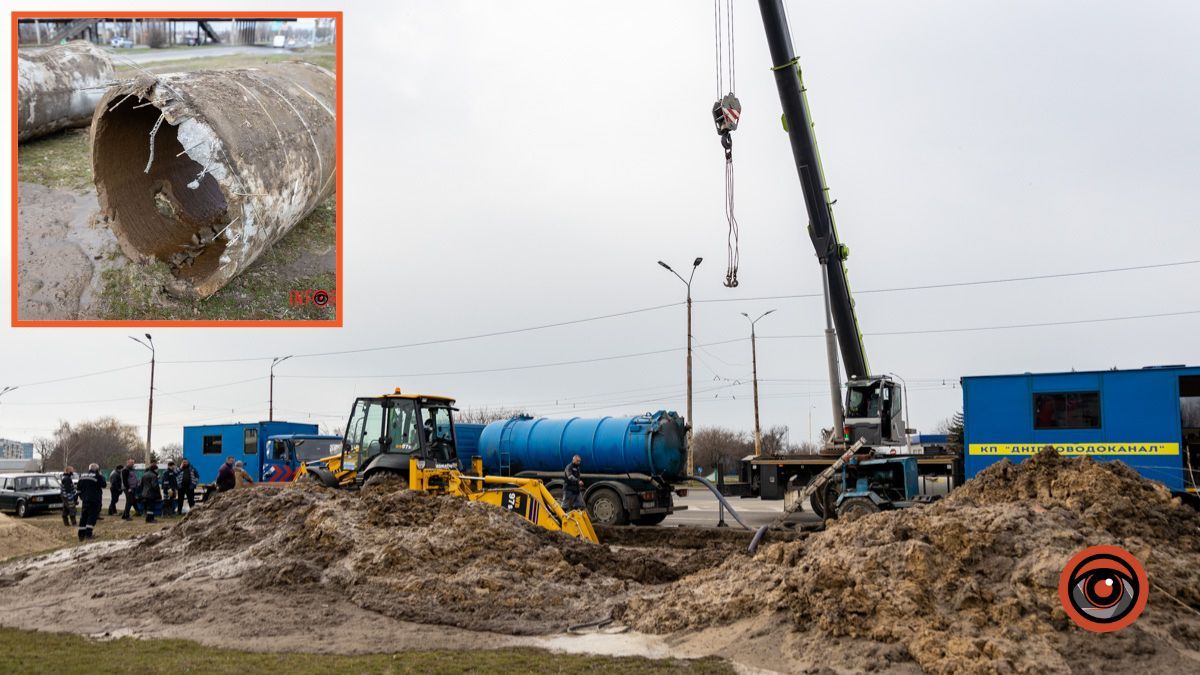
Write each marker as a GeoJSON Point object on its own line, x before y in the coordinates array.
{"type": "Point", "coordinates": [409, 556]}
{"type": "Point", "coordinates": [965, 585]}
{"type": "Point", "coordinates": [18, 538]}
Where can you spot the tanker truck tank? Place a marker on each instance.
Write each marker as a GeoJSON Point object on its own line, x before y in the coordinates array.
{"type": "Point", "coordinates": [628, 463]}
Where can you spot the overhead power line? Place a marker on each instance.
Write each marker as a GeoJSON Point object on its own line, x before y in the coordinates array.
{"type": "Point", "coordinates": [641, 310]}
{"type": "Point", "coordinates": [1010, 326]}
{"type": "Point", "coordinates": [959, 284]}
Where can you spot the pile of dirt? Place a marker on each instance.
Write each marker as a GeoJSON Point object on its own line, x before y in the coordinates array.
{"type": "Point", "coordinates": [967, 584]}
{"type": "Point", "coordinates": [18, 538]}
{"type": "Point", "coordinates": [409, 556]}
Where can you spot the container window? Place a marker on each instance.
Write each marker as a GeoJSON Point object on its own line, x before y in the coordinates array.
{"type": "Point", "coordinates": [1066, 410]}
{"type": "Point", "coordinates": [212, 445]}
{"type": "Point", "coordinates": [250, 444]}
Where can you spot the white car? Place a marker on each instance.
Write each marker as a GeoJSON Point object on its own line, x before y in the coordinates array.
{"type": "Point", "coordinates": [121, 43]}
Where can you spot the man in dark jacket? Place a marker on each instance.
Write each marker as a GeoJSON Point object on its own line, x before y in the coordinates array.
{"type": "Point", "coordinates": [69, 496]}
{"type": "Point", "coordinates": [189, 478]}
{"type": "Point", "coordinates": [91, 494]}
{"type": "Point", "coordinates": [170, 488]}
{"type": "Point", "coordinates": [151, 492]}
{"type": "Point", "coordinates": [115, 487]}
{"type": "Point", "coordinates": [573, 485]}
{"type": "Point", "coordinates": [130, 479]}
{"type": "Point", "coordinates": [226, 479]}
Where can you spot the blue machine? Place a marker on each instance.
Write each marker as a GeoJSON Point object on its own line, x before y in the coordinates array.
{"type": "Point", "coordinates": [870, 485]}
{"type": "Point", "coordinates": [628, 463]}
{"type": "Point", "coordinates": [653, 444]}
{"type": "Point", "coordinates": [1148, 419]}
{"type": "Point", "coordinates": [206, 446]}
{"type": "Point", "coordinates": [283, 454]}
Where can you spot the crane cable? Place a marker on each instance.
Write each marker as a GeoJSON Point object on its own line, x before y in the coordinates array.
{"type": "Point", "coordinates": [726, 112]}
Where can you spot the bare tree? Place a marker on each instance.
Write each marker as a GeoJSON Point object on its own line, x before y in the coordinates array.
{"type": "Point", "coordinates": [42, 449]}
{"type": "Point", "coordinates": [713, 444]}
{"type": "Point", "coordinates": [105, 441]}
{"type": "Point", "coordinates": [171, 452]}
{"type": "Point", "coordinates": [486, 415]}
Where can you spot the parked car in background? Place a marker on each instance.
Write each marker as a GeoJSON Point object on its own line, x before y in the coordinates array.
{"type": "Point", "coordinates": [27, 493]}
{"type": "Point", "coordinates": [121, 43]}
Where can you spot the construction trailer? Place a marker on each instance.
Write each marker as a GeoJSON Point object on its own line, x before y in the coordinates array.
{"type": "Point", "coordinates": [206, 446]}
{"type": "Point", "coordinates": [1147, 418]}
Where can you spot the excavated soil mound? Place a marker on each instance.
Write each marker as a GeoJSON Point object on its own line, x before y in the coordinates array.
{"type": "Point", "coordinates": [18, 538]}
{"type": "Point", "coordinates": [407, 555]}
{"type": "Point", "coordinates": [965, 585]}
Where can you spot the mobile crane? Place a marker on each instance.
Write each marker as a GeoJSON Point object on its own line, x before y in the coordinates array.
{"type": "Point", "coordinates": [871, 416]}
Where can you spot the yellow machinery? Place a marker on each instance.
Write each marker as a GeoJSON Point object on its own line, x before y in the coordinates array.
{"type": "Point", "coordinates": [410, 436]}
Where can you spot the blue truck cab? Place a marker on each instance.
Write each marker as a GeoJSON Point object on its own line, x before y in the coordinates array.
{"type": "Point", "coordinates": [206, 446]}
{"type": "Point", "coordinates": [285, 453]}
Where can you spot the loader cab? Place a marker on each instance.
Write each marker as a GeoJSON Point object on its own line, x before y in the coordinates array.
{"type": "Point", "coordinates": [384, 432]}
{"type": "Point", "coordinates": [875, 412]}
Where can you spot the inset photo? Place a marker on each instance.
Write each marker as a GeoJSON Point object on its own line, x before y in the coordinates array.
{"type": "Point", "coordinates": [177, 168]}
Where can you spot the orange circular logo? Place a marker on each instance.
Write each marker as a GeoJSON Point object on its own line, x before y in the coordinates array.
{"type": "Point", "coordinates": [1103, 588]}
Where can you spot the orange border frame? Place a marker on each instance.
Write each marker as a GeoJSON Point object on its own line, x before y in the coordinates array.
{"type": "Point", "coordinates": [336, 322]}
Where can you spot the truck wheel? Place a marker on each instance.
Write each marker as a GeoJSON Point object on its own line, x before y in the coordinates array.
{"type": "Point", "coordinates": [605, 507]}
{"type": "Point", "coordinates": [822, 501]}
{"type": "Point", "coordinates": [857, 507]}
{"type": "Point", "coordinates": [22, 510]}
{"type": "Point", "coordinates": [652, 519]}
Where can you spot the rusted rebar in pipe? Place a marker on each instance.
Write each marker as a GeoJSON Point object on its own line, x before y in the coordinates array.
{"type": "Point", "coordinates": [205, 170]}
{"type": "Point", "coordinates": [58, 87]}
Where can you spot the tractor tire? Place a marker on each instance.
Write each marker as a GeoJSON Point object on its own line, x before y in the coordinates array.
{"type": "Point", "coordinates": [380, 476]}
{"type": "Point", "coordinates": [605, 508]}
{"type": "Point", "coordinates": [652, 519]}
{"type": "Point", "coordinates": [857, 507]}
{"type": "Point", "coordinates": [22, 509]}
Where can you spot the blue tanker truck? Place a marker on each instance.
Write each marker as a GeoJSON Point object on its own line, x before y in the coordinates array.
{"type": "Point", "coordinates": [629, 464]}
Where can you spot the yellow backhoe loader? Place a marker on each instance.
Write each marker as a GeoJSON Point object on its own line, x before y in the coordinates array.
{"type": "Point", "coordinates": [411, 437]}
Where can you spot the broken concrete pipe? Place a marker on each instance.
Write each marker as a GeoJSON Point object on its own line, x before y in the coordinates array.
{"type": "Point", "coordinates": [58, 87]}
{"type": "Point", "coordinates": [205, 170]}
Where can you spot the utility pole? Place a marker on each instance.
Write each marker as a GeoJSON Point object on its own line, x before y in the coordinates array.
{"type": "Point", "coordinates": [754, 366]}
{"type": "Point", "coordinates": [271, 409]}
{"type": "Point", "coordinates": [688, 283]}
{"type": "Point", "coordinates": [148, 344]}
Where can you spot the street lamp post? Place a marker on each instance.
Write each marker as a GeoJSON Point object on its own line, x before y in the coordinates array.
{"type": "Point", "coordinates": [688, 283]}
{"type": "Point", "coordinates": [754, 366]}
{"type": "Point", "coordinates": [6, 390]}
{"type": "Point", "coordinates": [148, 344]}
{"type": "Point", "coordinates": [274, 362]}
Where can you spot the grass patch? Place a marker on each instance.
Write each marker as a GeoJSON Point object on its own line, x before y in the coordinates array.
{"type": "Point", "coordinates": [61, 160]}
{"type": "Point", "coordinates": [324, 57]}
{"type": "Point", "coordinates": [300, 261]}
{"type": "Point", "coordinates": [37, 652]}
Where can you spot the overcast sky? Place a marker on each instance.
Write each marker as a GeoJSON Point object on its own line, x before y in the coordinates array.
{"type": "Point", "coordinates": [515, 164]}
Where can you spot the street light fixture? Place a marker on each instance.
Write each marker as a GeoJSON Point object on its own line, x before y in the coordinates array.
{"type": "Point", "coordinates": [688, 282]}
{"type": "Point", "coordinates": [274, 362]}
{"type": "Point", "coordinates": [754, 364]}
{"type": "Point", "coordinates": [148, 344]}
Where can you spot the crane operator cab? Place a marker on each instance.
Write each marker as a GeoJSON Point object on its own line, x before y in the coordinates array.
{"type": "Point", "coordinates": [874, 412]}
{"type": "Point", "coordinates": [386, 432]}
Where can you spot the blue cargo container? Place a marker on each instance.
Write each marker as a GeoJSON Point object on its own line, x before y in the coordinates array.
{"type": "Point", "coordinates": [1148, 418]}
{"type": "Point", "coordinates": [628, 463]}
{"type": "Point", "coordinates": [206, 446]}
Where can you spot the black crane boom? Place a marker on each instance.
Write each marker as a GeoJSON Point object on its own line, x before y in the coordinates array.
{"type": "Point", "coordinates": [821, 227]}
